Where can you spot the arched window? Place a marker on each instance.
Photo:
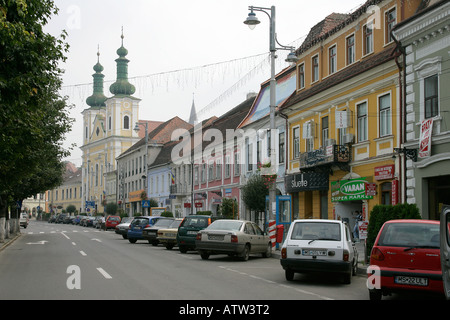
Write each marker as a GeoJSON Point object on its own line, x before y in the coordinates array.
{"type": "Point", "coordinates": [126, 122]}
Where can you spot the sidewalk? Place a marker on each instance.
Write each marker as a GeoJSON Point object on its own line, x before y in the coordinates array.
{"type": "Point", "coordinates": [8, 241]}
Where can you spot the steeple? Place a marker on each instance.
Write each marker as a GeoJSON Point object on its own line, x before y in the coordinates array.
{"type": "Point", "coordinates": [97, 99]}
{"type": "Point", "coordinates": [193, 117]}
{"type": "Point", "coordinates": [122, 86]}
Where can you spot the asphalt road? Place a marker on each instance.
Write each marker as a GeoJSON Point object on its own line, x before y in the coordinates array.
{"type": "Point", "coordinates": [51, 261]}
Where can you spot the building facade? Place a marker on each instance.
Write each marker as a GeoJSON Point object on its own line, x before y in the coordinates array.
{"type": "Point", "coordinates": [425, 40]}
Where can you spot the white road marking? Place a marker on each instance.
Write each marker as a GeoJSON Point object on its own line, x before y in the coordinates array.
{"type": "Point", "coordinates": [83, 253]}
{"type": "Point", "coordinates": [65, 235]}
{"type": "Point", "coordinates": [104, 273]}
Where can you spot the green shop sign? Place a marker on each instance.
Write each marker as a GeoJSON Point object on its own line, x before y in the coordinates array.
{"type": "Point", "coordinates": [349, 190]}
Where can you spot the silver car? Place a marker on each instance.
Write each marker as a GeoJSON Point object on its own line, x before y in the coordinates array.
{"type": "Point", "coordinates": [233, 237]}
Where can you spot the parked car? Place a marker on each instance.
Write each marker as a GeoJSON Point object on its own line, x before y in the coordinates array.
{"type": "Point", "coordinates": [187, 232]}
{"type": "Point", "coordinates": [60, 218]}
{"type": "Point", "coordinates": [445, 249]}
{"type": "Point", "coordinates": [68, 219]}
{"type": "Point", "coordinates": [317, 245]}
{"type": "Point", "coordinates": [78, 219]}
{"type": "Point", "coordinates": [122, 228]}
{"type": "Point", "coordinates": [138, 224]}
{"type": "Point", "coordinates": [23, 221]}
{"type": "Point", "coordinates": [406, 256]}
{"type": "Point", "coordinates": [151, 233]}
{"type": "Point", "coordinates": [97, 223]}
{"type": "Point", "coordinates": [52, 219]}
{"type": "Point", "coordinates": [233, 237]}
{"type": "Point", "coordinates": [168, 236]}
{"type": "Point", "coordinates": [111, 222]}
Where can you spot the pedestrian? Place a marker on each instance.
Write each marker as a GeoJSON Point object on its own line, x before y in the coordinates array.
{"type": "Point", "coordinates": [356, 227]}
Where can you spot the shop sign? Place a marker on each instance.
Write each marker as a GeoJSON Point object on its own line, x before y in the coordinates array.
{"type": "Point", "coordinates": [384, 172]}
{"type": "Point", "coordinates": [307, 181]}
{"type": "Point", "coordinates": [362, 229]}
{"type": "Point", "coordinates": [198, 204]}
{"type": "Point", "coordinates": [394, 192]}
{"type": "Point", "coordinates": [349, 190]}
{"type": "Point", "coordinates": [187, 205]}
{"type": "Point", "coordinates": [371, 189]}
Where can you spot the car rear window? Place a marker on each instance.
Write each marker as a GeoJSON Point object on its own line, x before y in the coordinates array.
{"type": "Point", "coordinates": [137, 221]}
{"type": "Point", "coordinates": [163, 222]}
{"type": "Point", "coordinates": [225, 225]}
{"type": "Point", "coordinates": [316, 231]}
{"type": "Point", "coordinates": [195, 222]}
{"type": "Point", "coordinates": [113, 218]}
{"type": "Point", "coordinates": [410, 234]}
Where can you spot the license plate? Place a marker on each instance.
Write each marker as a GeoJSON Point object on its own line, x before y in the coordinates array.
{"type": "Point", "coordinates": [413, 281]}
{"type": "Point", "coordinates": [315, 252]}
{"type": "Point", "coordinates": [137, 228]}
{"type": "Point", "coordinates": [171, 235]}
{"type": "Point", "coordinates": [192, 232]}
{"type": "Point", "coordinates": [215, 237]}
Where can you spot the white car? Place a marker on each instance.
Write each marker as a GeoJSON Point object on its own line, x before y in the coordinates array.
{"type": "Point", "coordinates": [122, 228]}
{"type": "Point", "coordinates": [23, 221]}
{"type": "Point", "coordinates": [319, 245]}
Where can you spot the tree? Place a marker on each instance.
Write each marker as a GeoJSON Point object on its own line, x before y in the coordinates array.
{"type": "Point", "coordinates": [71, 209]}
{"type": "Point", "coordinates": [111, 208]}
{"type": "Point", "coordinates": [34, 117]}
{"type": "Point", "coordinates": [254, 193]}
{"type": "Point", "coordinates": [228, 208]}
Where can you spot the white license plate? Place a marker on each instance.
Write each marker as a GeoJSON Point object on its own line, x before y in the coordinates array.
{"type": "Point", "coordinates": [192, 232]}
{"type": "Point", "coordinates": [215, 237]}
{"type": "Point", "coordinates": [315, 252]}
{"type": "Point", "coordinates": [413, 281]}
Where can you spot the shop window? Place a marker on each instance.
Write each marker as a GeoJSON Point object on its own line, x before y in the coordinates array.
{"type": "Point", "coordinates": [386, 193]}
{"type": "Point", "coordinates": [438, 194]}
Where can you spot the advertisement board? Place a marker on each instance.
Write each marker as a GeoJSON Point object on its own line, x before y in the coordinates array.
{"type": "Point", "coordinates": [350, 190]}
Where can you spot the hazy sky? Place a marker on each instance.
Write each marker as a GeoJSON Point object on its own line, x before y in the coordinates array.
{"type": "Point", "coordinates": [178, 50]}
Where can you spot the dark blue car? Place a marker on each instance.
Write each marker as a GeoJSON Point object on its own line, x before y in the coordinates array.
{"type": "Point", "coordinates": [137, 225]}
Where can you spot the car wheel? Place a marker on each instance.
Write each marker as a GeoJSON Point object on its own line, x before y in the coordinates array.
{"type": "Point", "coordinates": [169, 246]}
{"type": "Point", "coordinates": [268, 252]}
{"type": "Point", "coordinates": [154, 243]}
{"type": "Point", "coordinates": [355, 268]}
{"type": "Point", "coordinates": [132, 240]}
{"type": "Point", "coordinates": [183, 249]}
{"type": "Point", "coordinates": [375, 294]}
{"type": "Point", "coordinates": [246, 253]}
{"type": "Point", "coordinates": [124, 236]}
{"type": "Point", "coordinates": [204, 255]}
{"type": "Point", "coordinates": [289, 274]}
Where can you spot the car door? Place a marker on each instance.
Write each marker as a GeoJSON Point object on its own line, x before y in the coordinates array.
{"type": "Point", "coordinates": [251, 237]}
{"type": "Point", "coordinates": [262, 244]}
{"type": "Point", "coordinates": [445, 249]}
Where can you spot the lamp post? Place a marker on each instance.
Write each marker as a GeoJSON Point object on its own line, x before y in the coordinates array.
{"type": "Point", "coordinates": [136, 129]}
{"type": "Point", "coordinates": [252, 21]}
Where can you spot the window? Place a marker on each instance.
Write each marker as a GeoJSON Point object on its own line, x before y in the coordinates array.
{"type": "Point", "coordinates": [386, 193]}
{"type": "Point", "coordinates": [204, 172]}
{"type": "Point", "coordinates": [218, 169]}
{"type": "Point", "coordinates": [431, 96]}
{"type": "Point", "coordinates": [126, 122]}
{"type": "Point", "coordinates": [211, 171]}
{"type": "Point", "coordinates": [368, 38]}
{"type": "Point", "coordinates": [249, 159]}
{"type": "Point", "coordinates": [281, 148]}
{"type": "Point", "coordinates": [350, 49]}
{"type": "Point", "coordinates": [109, 123]}
{"type": "Point", "coordinates": [301, 76]}
{"type": "Point", "coordinates": [227, 166]}
{"type": "Point", "coordinates": [332, 59]}
{"type": "Point", "coordinates": [384, 104]}
{"type": "Point", "coordinates": [324, 130]}
{"type": "Point", "coordinates": [237, 164]}
{"type": "Point", "coordinates": [390, 21]}
{"type": "Point", "coordinates": [362, 121]}
{"type": "Point", "coordinates": [296, 142]}
{"type": "Point", "coordinates": [315, 68]}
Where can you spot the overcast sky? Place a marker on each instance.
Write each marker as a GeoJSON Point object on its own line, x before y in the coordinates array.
{"type": "Point", "coordinates": [179, 50]}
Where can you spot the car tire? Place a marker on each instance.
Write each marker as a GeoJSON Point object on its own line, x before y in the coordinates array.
{"type": "Point", "coordinates": [289, 274]}
{"type": "Point", "coordinates": [355, 268]}
{"type": "Point", "coordinates": [245, 254]}
{"type": "Point", "coordinates": [182, 249]}
{"type": "Point", "coordinates": [268, 252]}
{"type": "Point", "coordinates": [204, 255]}
{"type": "Point", "coordinates": [169, 246]}
{"type": "Point", "coordinates": [132, 240]}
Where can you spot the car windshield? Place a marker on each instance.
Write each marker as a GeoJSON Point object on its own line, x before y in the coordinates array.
{"type": "Point", "coordinates": [418, 235]}
{"type": "Point", "coordinates": [225, 225]}
{"type": "Point", "coordinates": [163, 222]}
{"type": "Point", "coordinates": [196, 222]}
{"type": "Point", "coordinates": [138, 221]}
{"type": "Point", "coordinates": [316, 231]}
{"type": "Point", "coordinates": [175, 224]}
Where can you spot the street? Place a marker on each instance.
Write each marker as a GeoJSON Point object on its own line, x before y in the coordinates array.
{"type": "Point", "coordinates": [61, 261]}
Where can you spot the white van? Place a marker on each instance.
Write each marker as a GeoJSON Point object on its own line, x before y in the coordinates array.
{"type": "Point", "coordinates": [23, 221]}
{"type": "Point", "coordinates": [318, 245]}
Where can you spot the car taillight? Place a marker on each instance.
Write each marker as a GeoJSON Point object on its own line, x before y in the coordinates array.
{"type": "Point", "coordinates": [234, 238]}
{"type": "Point", "coordinates": [199, 236]}
{"type": "Point", "coordinates": [346, 255]}
{"type": "Point", "coordinates": [377, 254]}
{"type": "Point", "coordinates": [283, 253]}
{"type": "Point", "coordinates": [147, 226]}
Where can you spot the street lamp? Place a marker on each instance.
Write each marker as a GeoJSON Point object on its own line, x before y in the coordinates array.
{"type": "Point", "coordinates": [252, 21]}
{"type": "Point", "coordinates": [136, 129]}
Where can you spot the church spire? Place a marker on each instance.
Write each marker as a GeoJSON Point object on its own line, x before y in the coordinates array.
{"type": "Point", "coordinates": [97, 99]}
{"type": "Point", "coordinates": [122, 86]}
{"type": "Point", "coordinates": [193, 117]}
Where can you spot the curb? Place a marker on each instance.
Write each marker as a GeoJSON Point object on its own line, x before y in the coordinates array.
{"type": "Point", "coordinates": [9, 241]}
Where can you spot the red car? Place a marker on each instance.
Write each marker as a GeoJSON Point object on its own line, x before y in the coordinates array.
{"type": "Point", "coordinates": [111, 222]}
{"type": "Point", "coordinates": [405, 256]}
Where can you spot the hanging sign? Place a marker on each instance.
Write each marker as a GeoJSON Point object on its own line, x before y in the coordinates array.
{"type": "Point", "coordinates": [349, 190]}
{"type": "Point", "coordinates": [426, 128]}
{"type": "Point", "coordinates": [341, 119]}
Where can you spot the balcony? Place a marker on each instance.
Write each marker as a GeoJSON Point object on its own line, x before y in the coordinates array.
{"type": "Point", "coordinates": [180, 190]}
{"type": "Point", "coordinates": [323, 158]}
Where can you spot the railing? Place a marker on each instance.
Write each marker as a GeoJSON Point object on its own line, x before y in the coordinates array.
{"type": "Point", "coordinates": [333, 154]}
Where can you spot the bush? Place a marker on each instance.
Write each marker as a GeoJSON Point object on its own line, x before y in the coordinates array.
{"type": "Point", "coordinates": [382, 213]}
{"type": "Point", "coordinates": [167, 214]}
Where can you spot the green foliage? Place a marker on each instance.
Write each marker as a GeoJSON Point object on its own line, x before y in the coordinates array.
{"type": "Point", "coordinates": [254, 193]}
{"type": "Point", "coordinates": [71, 209]}
{"type": "Point", "coordinates": [382, 213]}
{"type": "Point", "coordinates": [153, 203]}
{"type": "Point", "coordinates": [111, 208]}
{"type": "Point", "coordinates": [167, 214]}
{"type": "Point", "coordinates": [228, 209]}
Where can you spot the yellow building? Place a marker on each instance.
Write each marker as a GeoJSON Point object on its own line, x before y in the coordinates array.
{"type": "Point", "coordinates": [108, 131]}
{"type": "Point", "coordinates": [345, 116]}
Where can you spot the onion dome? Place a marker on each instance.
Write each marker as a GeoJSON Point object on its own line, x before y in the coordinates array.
{"type": "Point", "coordinates": [97, 99]}
{"type": "Point", "coordinates": [122, 86]}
